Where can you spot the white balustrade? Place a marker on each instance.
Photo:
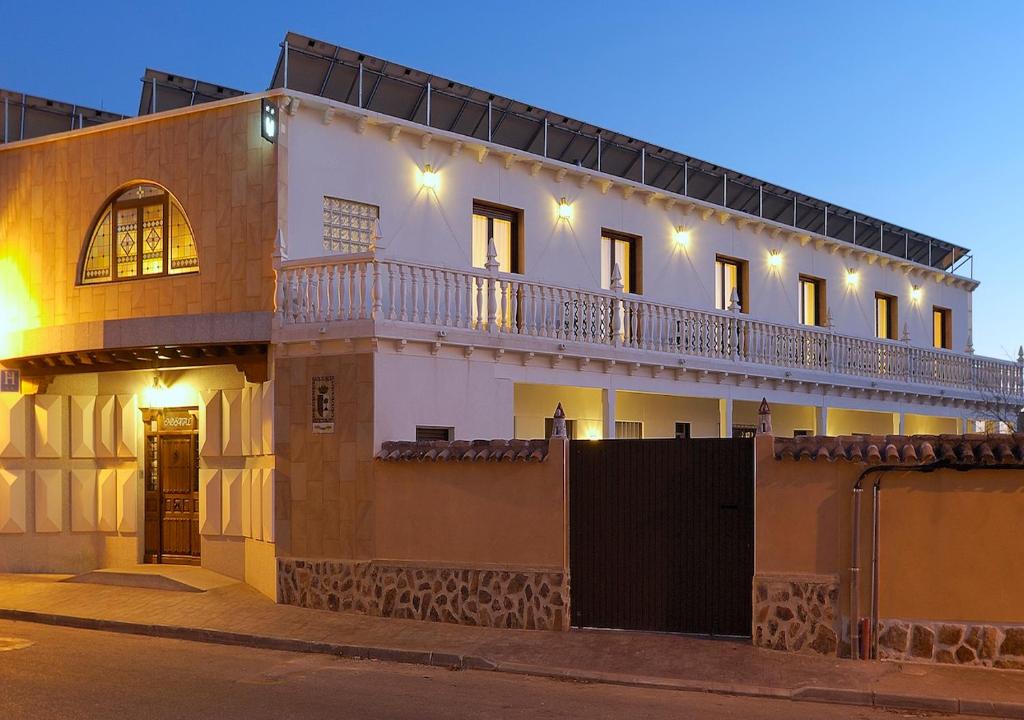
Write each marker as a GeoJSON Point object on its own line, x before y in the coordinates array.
{"type": "Point", "coordinates": [363, 288]}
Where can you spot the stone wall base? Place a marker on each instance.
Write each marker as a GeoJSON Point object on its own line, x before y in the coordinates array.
{"type": "Point", "coordinates": [534, 600]}
{"type": "Point", "coordinates": [797, 614]}
{"type": "Point", "coordinates": [952, 643]}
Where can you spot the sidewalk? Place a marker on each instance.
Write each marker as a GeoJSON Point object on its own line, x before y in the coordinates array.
{"type": "Point", "coordinates": [235, 613]}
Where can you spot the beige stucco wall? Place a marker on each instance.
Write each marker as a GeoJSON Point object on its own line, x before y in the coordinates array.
{"type": "Point", "coordinates": [212, 160]}
{"type": "Point", "coordinates": [842, 421]}
{"type": "Point", "coordinates": [660, 413]}
{"type": "Point", "coordinates": [504, 514]}
{"type": "Point", "coordinates": [929, 425]}
{"type": "Point", "coordinates": [324, 491]}
{"type": "Point", "coordinates": [950, 542]}
{"type": "Point", "coordinates": [534, 403]}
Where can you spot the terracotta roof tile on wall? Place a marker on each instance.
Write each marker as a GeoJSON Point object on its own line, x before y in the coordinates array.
{"type": "Point", "coordinates": [977, 449]}
{"type": "Point", "coordinates": [436, 450]}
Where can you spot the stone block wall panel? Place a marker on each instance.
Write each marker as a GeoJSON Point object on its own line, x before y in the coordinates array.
{"type": "Point", "coordinates": [126, 423]}
{"type": "Point", "coordinates": [49, 500]}
{"type": "Point", "coordinates": [14, 410]}
{"type": "Point", "coordinates": [127, 501]}
{"type": "Point", "coordinates": [797, 614]}
{"type": "Point", "coordinates": [83, 500]}
{"type": "Point", "coordinates": [12, 501]}
{"type": "Point", "coordinates": [245, 421]}
{"type": "Point", "coordinates": [256, 504]}
{"type": "Point", "coordinates": [210, 521]}
{"type": "Point", "coordinates": [247, 503]}
{"type": "Point", "coordinates": [105, 427]}
{"type": "Point", "coordinates": [49, 426]}
{"type": "Point", "coordinates": [106, 500]}
{"type": "Point", "coordinates": [231, 422]}
{"type": "Point", "coordinates": [210, 423]}
{"type": "Point", "coordinates": [267, 504]}
{"type": "Point", "coordinates": [952, 643]}
{"type": "Point", "coordinates": [256, 420]}
{"type": "Point", "coordinates": [83, 430]}
{"type": "Point", "coordinates": [532, 600]}
{"type": "Point", "coordinates": [231, 502]}
{"type": "Point", "coordinates": [267, 417]}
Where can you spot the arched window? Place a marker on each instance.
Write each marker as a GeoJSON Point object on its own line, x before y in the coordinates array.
{"type": "Point", "coordinates": [141, 232]}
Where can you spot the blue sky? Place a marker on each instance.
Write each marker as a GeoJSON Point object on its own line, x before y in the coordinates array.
{"type": "Point", "coordinates": [911, 111]}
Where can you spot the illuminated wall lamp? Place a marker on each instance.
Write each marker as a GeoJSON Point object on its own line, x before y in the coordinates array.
{"type": "Point", "coordinates": [775, 259]}
{"type": "Point", "coordinates": [681, 236]}
{"type": "Point", "coordinates": [852, 277]}
{"type": "Point", "coordinates": [268, 121]}
{"type": "Point", "coordinates": [915, 293]}
{"type": "Point", "coordinates": [564, 210]}
{"type": "Point", "coordinates": [430, 179]}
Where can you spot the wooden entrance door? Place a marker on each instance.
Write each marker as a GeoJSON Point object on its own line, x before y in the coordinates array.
{"type": "Point", "coordinates": [172, 489]}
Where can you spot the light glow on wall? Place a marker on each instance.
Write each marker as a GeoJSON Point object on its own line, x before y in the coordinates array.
{"type": "Point", "coordinates": [915, 293]}
{"type": "Point", "coordinates": [774, 259]}
{"type": "Point", "coordinates": [20, 309]}
{"type": "Point", "coordinates": [852, 277]}
{"type": "Point", "coordinates": [429, 178]}
{"type": "Point", "coordinates": [564, 210]}
{"type": "Point", "coordinates": [159, 394]}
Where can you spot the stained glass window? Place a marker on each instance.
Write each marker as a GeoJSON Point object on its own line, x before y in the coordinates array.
{"type": "Point", "coordinates": [141, 232]}
{"type": "Point", "coordinates": [348, 226]}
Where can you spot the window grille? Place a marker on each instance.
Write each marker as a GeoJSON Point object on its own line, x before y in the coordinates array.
{"type": "Point", "coordinates": [349, 226]}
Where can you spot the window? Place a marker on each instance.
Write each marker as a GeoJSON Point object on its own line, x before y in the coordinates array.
{"type": "Point", "coordinates": [730, 274]}
{"type": "Point", "coordinates": [141, 232]}
{"type": "Point", "coordinates": [683, 431]}
{"type": "Point", "coordinates": [349, 226]}
{"type": "Point", "coordinates": [885, 317]}
{"type": "Point", "coordinates": [433, 433]}
{"type": "Point", "coordinates": [502, 224]}
{"type": "Point", "coordinates": [744, 431]}
{"type": "Point", "coordinates": [812, 301]}
{"type": "Point", "coordinates": [942, 328]}
{"type": "Point", "coordinates": [802, 433]}
{"type": "Point", "coordinates": [549, 428]}
{"type": "Point", "coordinates": [622, 250]}
{"type": "Point", "coordinates": [629, 430]}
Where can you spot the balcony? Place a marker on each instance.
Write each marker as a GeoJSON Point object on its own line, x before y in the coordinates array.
{"type": "Point", "coordinates": [484, 307]}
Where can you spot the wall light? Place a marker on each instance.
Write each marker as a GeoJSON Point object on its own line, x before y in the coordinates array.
{"type": "Point", "coordinates": [268, 121]}
{"type": "Point", "coordinates": [564, 210]}
{"type": "Point", "coordinates": [915, 293]}
{"type": "Point", "coordinates": [429, 178]}
{"type": "Point", "coordinates": [775, 259]}
{"type": "Point", "coordinates": [852, 277]}
{"type": "Point", "coordinates": [681, 235]}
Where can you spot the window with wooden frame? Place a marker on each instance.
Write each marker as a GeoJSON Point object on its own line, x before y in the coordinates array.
{"type": "Point", "coordinates": [504, 224]}
{"type": "Point", "coordinates": [433, 433]}
{"type": "Point", "coordinates": [812, 301]}
{"type": "Point", "coordinates": [683, 430]}
{"type": "Point", "coordinates": [730, 274]}
{"type": "Point", "coordinates": [942, 328]}
{"type": "Point", "coordinates": [141, 231]}
{"type": "Point", "coordinates": [622, 250]}
{"type": "Point", "coordinates": [886, 317]}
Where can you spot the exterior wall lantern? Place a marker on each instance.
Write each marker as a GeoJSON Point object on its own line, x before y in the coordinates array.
{"type": "Point", "coordinates": [852, 277]}
{"type": "Point", "coordinates": [564, 210]}
{"type": "Point", "coordinates": [429, 178]}
{"type": "Point", "coordinates": [268, 121]}
{"type": "Point", "coordinates": [775, 259]}
{"type": "Point", "coordinates": [915, 293]}
{"type": "Point", "coordinates": [681, 236]}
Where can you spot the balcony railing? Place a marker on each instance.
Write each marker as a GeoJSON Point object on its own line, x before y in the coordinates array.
{"type": "Point", "coordinates": [325, 290]}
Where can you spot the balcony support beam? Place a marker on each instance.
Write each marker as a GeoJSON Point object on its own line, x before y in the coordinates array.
{"type": "Point", "coordinates": [725, 417]}
{"type": "Point", "coordinates": [608, 413]}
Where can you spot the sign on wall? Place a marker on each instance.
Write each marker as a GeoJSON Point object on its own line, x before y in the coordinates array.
{"type": "Point", "coordinates": [10, 381]}
{"type": "Point", "coordinates": [323, 404]}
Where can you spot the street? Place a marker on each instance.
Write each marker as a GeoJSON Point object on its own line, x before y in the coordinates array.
{"type": "Point", "coordinates": [54, 672]}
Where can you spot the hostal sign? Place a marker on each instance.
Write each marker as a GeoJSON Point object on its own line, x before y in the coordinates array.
{"type": "Point", "coordinates": [323, 404]}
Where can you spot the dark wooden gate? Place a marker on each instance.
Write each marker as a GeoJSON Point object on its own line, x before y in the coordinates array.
{"type": "Point", "coordinates": [661, 534]}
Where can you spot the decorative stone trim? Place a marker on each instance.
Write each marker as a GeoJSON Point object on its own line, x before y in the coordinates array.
{"type": "Point", "coordinates": [532, 600]}
{"type": "Point", "coordinates": [952, 643]}
{"type": "Point", "coordinates": [797, 614]}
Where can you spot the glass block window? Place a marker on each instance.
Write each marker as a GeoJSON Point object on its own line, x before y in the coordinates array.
{"type": "Point", "coordinates": [141, 232]}
{"type": "Point", "coordinates": [349, 226]}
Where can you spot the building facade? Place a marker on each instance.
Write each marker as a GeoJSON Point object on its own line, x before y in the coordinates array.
{"type": "Point", "coordinates": [220, 309]}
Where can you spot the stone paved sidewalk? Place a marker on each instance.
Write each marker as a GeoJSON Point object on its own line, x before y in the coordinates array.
{"type": "Point", "coordinates": [608, 656]}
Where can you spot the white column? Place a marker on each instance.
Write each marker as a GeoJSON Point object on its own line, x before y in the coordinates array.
{"type": "Point", "coordinates": [899, 422]}
{"type": "Point", "coordinates": [725, 417]}
{"type": "Point", "coordinates": [608, 413]}
{"type": "Point", "coordinates": [821, 420]}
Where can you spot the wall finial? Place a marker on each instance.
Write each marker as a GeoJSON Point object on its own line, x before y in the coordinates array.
{"type": "Point", "coordinates": [764, 418]}
{"type": "Point", "coordinates": [558, 429]}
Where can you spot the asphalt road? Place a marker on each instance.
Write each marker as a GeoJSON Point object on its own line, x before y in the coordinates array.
{"type": "Point", "coordinates": [53, 672]}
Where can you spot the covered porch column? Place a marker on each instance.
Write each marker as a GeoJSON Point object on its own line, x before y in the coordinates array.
{"type": "Point", "coordinates": [608, 413]}
{"type": "Point", "coordinates": [725, 417]}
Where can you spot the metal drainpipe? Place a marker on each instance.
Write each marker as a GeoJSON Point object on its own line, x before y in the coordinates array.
{"type": "Point", "coordinates": [855, 574]}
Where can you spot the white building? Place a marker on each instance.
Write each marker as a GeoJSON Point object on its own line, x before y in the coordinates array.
{"type": "Point", "coordinates": [652, 294]}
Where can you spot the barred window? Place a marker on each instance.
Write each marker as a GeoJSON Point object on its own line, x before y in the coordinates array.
{"type": "Point", "coordinates": [348, 225]}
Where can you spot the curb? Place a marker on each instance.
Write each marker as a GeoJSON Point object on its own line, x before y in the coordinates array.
{"type": "Point", "coordinates": [839, 696]}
